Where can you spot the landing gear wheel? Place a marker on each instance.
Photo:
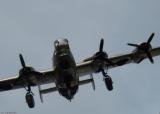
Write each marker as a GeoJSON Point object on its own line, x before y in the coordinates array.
{"type": "Point", "coordinates": [108, 83]}
{"type": "Point", "coordinates": [30, 100]}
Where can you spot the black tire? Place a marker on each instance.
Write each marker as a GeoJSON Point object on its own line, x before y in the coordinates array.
{"type": "Point", "coordinates": [30, 100]}
{"type": "Point", "coordinates": [108, 83]}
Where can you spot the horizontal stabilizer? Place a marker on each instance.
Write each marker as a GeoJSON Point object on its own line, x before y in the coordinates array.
{"type": "Point", "coordinates": [53, 89]}
{"type": "Point", "coordinates": [91, 80]}
{"type": "Point", "coordinates": [49, 90]}
{"type": "Point", "coordinates": [84, 82]}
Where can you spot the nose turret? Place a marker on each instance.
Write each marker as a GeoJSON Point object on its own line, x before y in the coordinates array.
{"type": "Point", "coordinates": [61, 43]}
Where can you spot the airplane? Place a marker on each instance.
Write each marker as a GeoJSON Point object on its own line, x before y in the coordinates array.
{"type": "Point", "coordinates": [66, 73]}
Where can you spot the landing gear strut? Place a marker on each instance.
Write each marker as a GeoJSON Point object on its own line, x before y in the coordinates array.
{"type": "Point", "coordinates": [29, 98]}
{"type": "Point", "coordinates": [108, 81]}
{"type": "Point", "coordinates": [103, 56]}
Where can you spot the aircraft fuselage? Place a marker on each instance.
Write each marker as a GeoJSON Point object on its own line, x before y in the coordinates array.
{"type": "Point", "coordinates": [67, 79]}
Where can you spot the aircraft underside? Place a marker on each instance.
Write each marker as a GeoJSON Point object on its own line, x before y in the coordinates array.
{"type": "Point", "coordinates": [66, 73]}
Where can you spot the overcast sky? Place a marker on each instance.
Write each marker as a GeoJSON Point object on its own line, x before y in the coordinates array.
{"type": "Point", "coordinates": [30, 27]}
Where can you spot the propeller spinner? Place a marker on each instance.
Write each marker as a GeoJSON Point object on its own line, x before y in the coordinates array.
{"type": "Point", "coordinates": [145, 47]}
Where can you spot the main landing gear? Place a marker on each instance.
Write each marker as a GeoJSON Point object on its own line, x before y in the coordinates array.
{"type": "Point", "coordinates": [108, 81]}
{"type": "Point", "coordinates": [103, 57]}
{"type": "Point", "coordinates": [29, 98]}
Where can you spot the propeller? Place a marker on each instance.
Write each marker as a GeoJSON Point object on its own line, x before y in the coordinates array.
{"type": "Point", "coordinates": [40, 95]}
{"type": "Point", "coordinates": [93, 83]}
{"type": "Point", "coordinates": [103, 55]}
{"type": "Point", "coordinates": [22, 61]}
{"type": "Point", "coordinates": [25, 69]}
{"type": "Point", "coordinates": [101, 45]}
{"type": "Point", "coordinates": [145, 47]}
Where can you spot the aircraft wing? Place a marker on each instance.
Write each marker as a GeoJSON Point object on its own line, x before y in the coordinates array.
{"type": "Point", "coordinates": [36, 80]}
{"type": "Point", "coordinates": [89, 67]}
{"type": "Point", "coordinates": [20, 82]}
{"type": "Point", "coordinates": [83, 68]}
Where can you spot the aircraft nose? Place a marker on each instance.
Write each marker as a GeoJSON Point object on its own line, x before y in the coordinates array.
{"type": "Point", "coordinates": [56, 43]}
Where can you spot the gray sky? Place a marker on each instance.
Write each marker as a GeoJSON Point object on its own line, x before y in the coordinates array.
{"type": "Point", "coordinates": [30, 27]}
